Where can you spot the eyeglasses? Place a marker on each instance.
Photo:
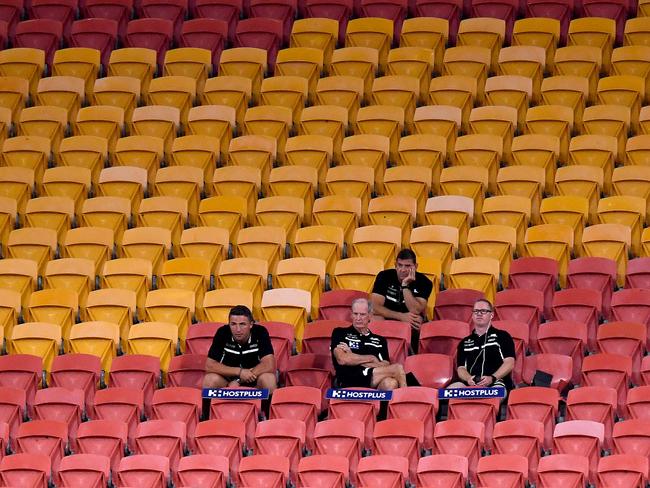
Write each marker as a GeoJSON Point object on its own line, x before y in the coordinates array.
{"type": "Point", "coordinates": [478, 311]}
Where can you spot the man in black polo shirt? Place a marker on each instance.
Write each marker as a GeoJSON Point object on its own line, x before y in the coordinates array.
{"type": "Point", "coordinates": [361, 357]}
{"type": "Point", "coordinates": [486, 357]}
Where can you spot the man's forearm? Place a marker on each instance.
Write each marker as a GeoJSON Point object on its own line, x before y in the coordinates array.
{"type": "Point", "coordinates": [505, 369]}
{"type": "Point", "coordinates": [352, 359]}
{"type": "Point", "coordinates": [266, 365]}
{"type": "Point", "coordinates": [387, 313]}
{"type": "Point", "coordinates": [213, 366]}
{"type": "Point", "coordinates": [412, 302]}
{"type": "Point", "coordinates": [463, 374]}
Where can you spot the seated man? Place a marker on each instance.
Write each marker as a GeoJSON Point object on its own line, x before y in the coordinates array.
{"type": "Point", "coordinates": [486, 357]}
{"type": "Point", "coordinates": [361, 357]}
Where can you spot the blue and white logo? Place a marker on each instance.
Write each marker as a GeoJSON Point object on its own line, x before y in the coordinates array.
{"type": "Point", "coordinates": [478, 393]}
{"type": "Point", "coordinates": [367, 395]}
{"type": "Point", "coordinates": [235, 393]}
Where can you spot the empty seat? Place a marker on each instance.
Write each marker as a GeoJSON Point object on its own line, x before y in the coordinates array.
{"type": "Point", "coordinates": [151, 33]}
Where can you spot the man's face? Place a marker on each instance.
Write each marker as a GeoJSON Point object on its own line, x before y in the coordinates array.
{"type": "Point", "coordinates": [360, 317]}
{"type": "Point", "coordinates": [240, 327]}
{"type": "Point", "coordinates": [481, 315]}
{"type": "Point", "coordinates": [404, 267]}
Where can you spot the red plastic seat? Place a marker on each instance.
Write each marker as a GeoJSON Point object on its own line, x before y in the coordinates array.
{"type": "Point", "coordinates": [432, 370]}
{"type": "Point", "coordinates": [281, 437]}
{"type": "Point", "coordinates": [416, 402]}
{"type": "Point", "coordinates": [502, 470]}
{"type": "Point", "coordinates": [318, 334]}
{"type": "Point", "coordinates": [508, 10]}
{"type": "Point", "coordinates": [483, 410]}
{"type": "Point", "coordinates": [283, 341]}
{"type": "Point", "coordinates": [442, 470]}
{"type": "Point", "coordinates": [12, 408]}
{"type": "Point", "coordinates": [623, 470]}
{"type": "Point", "coordinates": [323, 470]}
{"type": "Point", "coordinates": [178, 403]}
{"type": "Point", "coordinates": [580, 437]}
{"type": "Point", "coordinates": [565, 470]}
{"type": "Point", "coordinates": [227, 10]}
{"type": "Point", "coordinates": [606, 369]}
{"type": "Point", "coordinates": [85, 470]}
{"type": "Point", "coordinates": [297, 403]}
{"type": "Point", "coordinates": [632, 305]}
{"type": "Point", "coordinates": [335, 304]}
{"type": "Point", "coordinates": [461, 437]}
{"type": "Point", "coordinates": [203, 470]}
{"type": "Point", "coordinates": [566, 337]}
{"type": "Point", "coordinates": [4, 438]}
{"type": "Point", "coordinates": [136, 371]}
{"type": "Point", "coordinates": [637, 403]}
{"type": "Point", "coordinates": [261, 33]}
{"type": "Point", "coordinates": [340, 10]}
{"type": "Point", "coordinates": [442, 336]}
{"type": "Point", "coordinates": [143, 471]}
{"type": "Point", "coordinates": [535, 403]}
{"type": "Point", "coordinates": [522, 437]}
{"type": "Point", "coordinates": [105, 437]}
{"type": "Point", "coordinates": [400, 437]}
{"type": "Point", "coordinates": [281, 10]}
{"type": "Point", "coordinates": [199, 337]}
{"type": "Point", "coordinates": [10, 12]}
{"type": "Point", "coordinates": [117, 10]}
{"type": "Point", "coordinates": [595, 273]}
{"type": "Point", "coordinates": [60, 404]}
{"type": "Point", "coordinates": [383, 470]}
{"type": "Point", "coordinates": [264, 470]}
{"type": "Point", "coordinates": [561, 10]}
{"type": "Point", "coordinates": [537, 273]}
{"type": "Point", "coordinates": [308, 369]}
{"type": "Point", "coordinates": [558, 365]}
{"type": "Point", "coordinates": [77, 371]}
{"type": "Point", "coordinates": [121, 404]}
{"type": "Point", "coordinates": [246, 411]}
{"type": "Point", "coordinates": [100, 34]}
{"type": "Point", "coordinates": [452, 10]}
{"type": "Point", "coordinates": [22, 371]}
{"type": "Point", "coordinates": [156, 34]}
{"type": "Point", "coordinates": [579, 305]}
{"type": "Point", "coordinates": [614, 9]}
{"type": "Point", "coordinates": [361, 410]}
{"type": "Point", "coordinates": [63, 11]}
{"type": "Point", "coordinates": [626, 339]}
{"type": "Point", "coordinates": [519, 332]}
{"type": "Point", "coordinates": [638, 273]}
{"type": "Point", "coordinates": [210, 34]}
{"type": "Point", "coordinates": [632, 437]}
{"type": "Point", "coordinates": [456, 304]}
{"type": "Point", "coordinates": [398, 336]}
{"type": "Point", "coordinates": [165, 438]}
{"type": "Point", "coordinates": [187, 370]}
{"type": "Point", "coordinates": [340, 437]}
{"type": "Point", "coordinates": [25, 470]}
{"type": "Point", "coordinates": [522, 305]}
{"type": "Point", "coordinates": [44, 34]}
{"type": "Point", "coordinates": [172, 10]}
{"type": "Point", "coordinates": [221, 437]}
{"type": "Point", "coordinates": [395, 10]}
{"type": "Point", "coordinates": [597, 403]}
{"type": "Point", "coordinates": [48, 437]}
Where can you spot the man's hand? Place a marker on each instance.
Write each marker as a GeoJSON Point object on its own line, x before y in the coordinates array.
{"type": "Point", "coordinates": [485, 381]}
{"type": "Point", "coordinates": [344, 348]}
{"type": "Point", "coordinates": [247, 376]}
{"type": "Point", "coordinates": [471, 382]}
{"type": "Point", "coordinates": [410, 278]}
{"type": "Point", "coordinates": [414, 319]}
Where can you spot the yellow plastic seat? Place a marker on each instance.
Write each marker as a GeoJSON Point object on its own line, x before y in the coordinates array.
{"type": "Point", "coordinates": [112, 305]}
{"type": "Point", "coordinates": [633, 61]}
{"type": "Point", "coordinates": [101, 339]}
{"type": "Point", "coordinates": [342, 91]}
{"type": "Point", "coordinates": [144, 152]}
{"type": "Point", "coordinates": [362, 167]}
{"type": "Point", "coordinates": [43, 121]}
{"type": "Point", "coordinates": [192, 62]}
{"type": "Point", "coordinates": [471, 61]}
{"type": "Point", "coordinates": [136, 62]}
{"type": "Point", "coordinates": [498, 121]}
{"type": "Point", "coordinates": [247, 62]}
{"type": "Point", "coordinates": [582, 61]}
{"type": "Point", "coordinates": [174, 306]}
{"type": "Point", "coordinates": [129, 274]}
{"type": "Point", "coordinates": [314, 151]}
{"type": "Point", "coordinates": [323, 242]}
{"type": "Point", "coordinates": [481, 150]}
{"type": "Point", "coordinates": [397, 90]}
{"type": "Point", "coordinates": [251, 274]}
{"type": "Point", "coordinates": [424, 150]}
{"type": "Point", "coordinates": [217, 303]}
{"type": "Point", "coordinates": [295, 181]}
{"type": "Point", "coordinates": [101, 121]}
{"type": "Point", "coordinates": [317, 33]}
{"type": "Point", "coordinates": [339, 211]}
{"type": "Point", "coordinates": [356, 62]}
{"type": "Point", "coordinates": [157, 121]}
{"type": "Point", "coordinates": [483, 32]}
{"type": "Point", "coordinates": [67, 92]}
{"type": "Point", "coordinates": [56, 306]}
{"type": "Point", "coordinates": [416, 62]}
{"type": "Point", "coordinates": [94, 243]}
{"type": "Point", "coordinates": [226, 212]}
{"type": "Point", "coordinates": [595, 150]}
{"type": "Point", "coordinates": [644, 120]}
{"type": "Point", "coordinates": [238, 181]}
{"type": "Point", "coordinates": [383, 120]}
{"type": "Point", "coordinates": [289, 305]}
{"type": "Point", "coordinates": [76, 274]}
{"type": "Point", "coordinates": [118, 91]}
{"type": "Point", "coordinates": [581, 181]}
{"type": "Point", "coordinates": [196, 152]}
{"type": "Point", "coordinates": [325, 120]}
{"type": "Point", "coordinates": [17, 184]}
{"type": "Point", "coordinates": [567, 210]}
{"type": "Point", "coordinates": [594, 31]}
{"type": "Point", "coordinates": [493, 241]}
{"type": "Point", "coordinates": [541, 32]}
{"type": "Point", "coordinates": [637, 150]}
{"type": "Point", "coordinates": [232, 91]}
{"type": "Point", "coordinates": [173, 91]}
{"type": "Point", "coordinates": [124, 182]}
{"type": "Point", "coordinates": [455, 91]}
{"type": "Point", "coordinates": [356, 273]}
{"type": "Point", "coordinates": [271, 121]}
{"type": "Point", "coordinates": [304, 274]}
{"type": "Point", "coordinates": [413, 182]}
{"type": "Point", "coordinates": [468, 181]}
{"type": "Point", "coordinates": [510, 90]}
{"type": "Point", "coordinates": [10, 310]}
{"type": "Point", "coordinates": [37, 339]}
{"type": "Point", "coordinates": [611, 241]}
{"type": "Point", "coordinates": [208, 243]}
{"type": "Point", "coordinates": [475, 273]}
{"type": "Point", "coordinates": [5, 123]}
{"type": "Point", "coordinates": [166, 212]}
{"type": "Point", "coordinates": [632, 181]}
{"type": "Point", "coordinates": [79, 62]}
{"type": "Point", "coordinates": [55, 213]}
{"type": "Point", "coordinates": [537, 151]}
{"type": "Point", "coordinates": [37, 244]}
{"type": "Point", "coordinates": [528, 61]}
{"type": "Point", "coordinates": [373, 32]}
{"type": "Point", "coordinates": [454, 211]}
{"type": "Point", "coordinates": [19, 275]}
{"type": "Point", "coordinates": [111, 212]}
{"type": "Point", "coordinates": [8, 218]}
{"type": "Point", "coordinates": [509, 210]}
{"type": "Point", "coordinates": [396, 210]}
{"type": "Point", "coordinates": [435, 243]}
{"type": "Point", "coordinates": [285, 91]}
{"type": "Point", "coordinates": [282, 211]}
{"type": "Point", "coordinates": [553, 241]}
{"type": "Point", "coordinates": [263, 242]}
{"type": "Point", "coordinates": [426, 32]}
{"type": "Point", "coordinates": [625, 210]}
{"type": "Point", "coordinates": [151, 243]}
{"type": "Point", "coordinates": [570, 91]}
{"type": "Point", "coordinates": [31, 152]}
{"type": "Point", "coordinates": [552, 120]}
{"type": "Point", "coordinates": [14, 94]}
{"type": "Point", "coordinates": [625, 90]}
{"type": "Point", "coordinates": [637, 29]}
{"type": "Point", "coordinates": [158, 339]}
{"type": "Point", "coordinates": [66, 181]}
{"type": "Point", "coordinates": [440, 120]}
{"type": "Point", "coordinates": [89, 152]}
{"type": "Point", "coordinates": [182, 182]}
{"type": "Point", "coordinates": [304, 62]}
{"type": "Point", "coordinates": [377, 241]}
{"type": "Point", "coordinates": [23, 62]}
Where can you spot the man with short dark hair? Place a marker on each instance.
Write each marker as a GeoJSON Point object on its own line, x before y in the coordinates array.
{"type": "Point", "coordinates": [361, 357]}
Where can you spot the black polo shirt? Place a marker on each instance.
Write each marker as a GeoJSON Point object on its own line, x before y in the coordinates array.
{"type": "Point", "coordinates": [388, 285]}
{"type": "Point", "coordinates": [483, 355]}
{"type": "Point", "coordinates": [227, 351]}
{"type": "Point", "coordinates": [369, 344]}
